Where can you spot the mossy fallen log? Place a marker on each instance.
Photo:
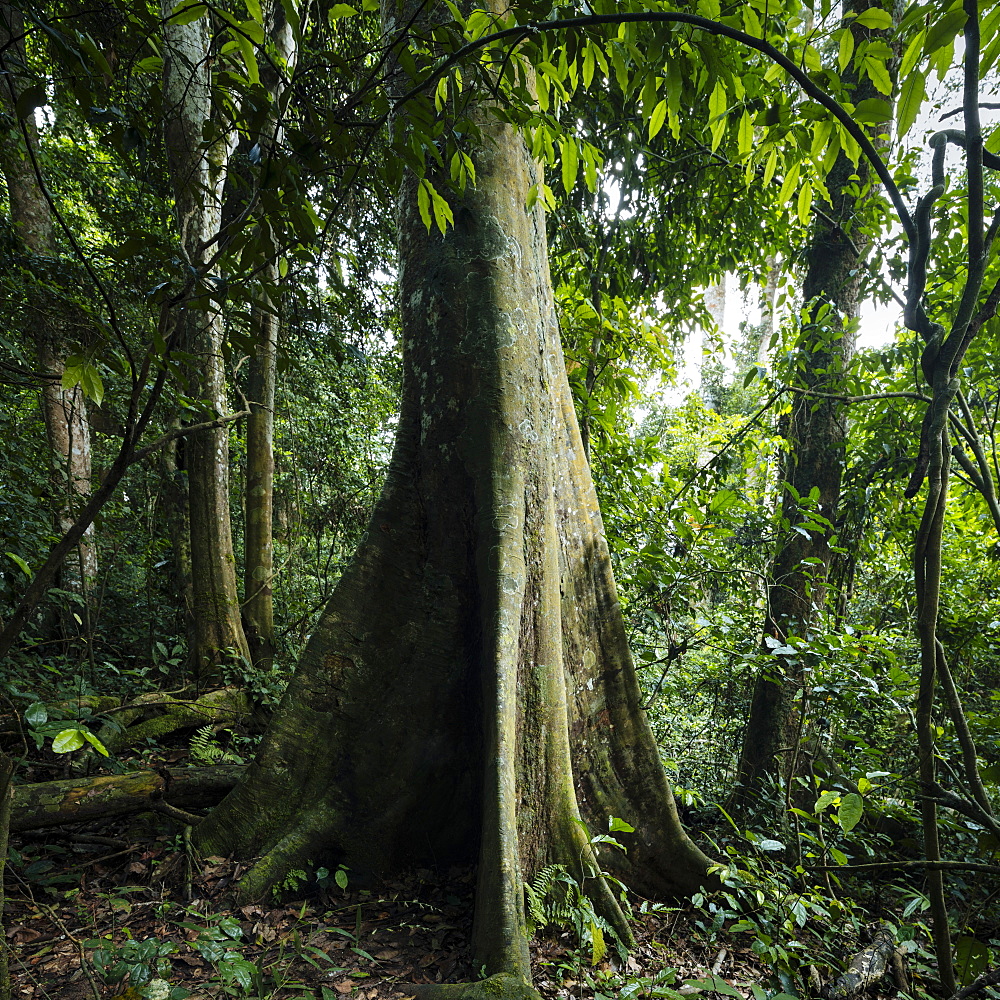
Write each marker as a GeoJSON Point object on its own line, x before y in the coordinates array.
{"type": "Point", "coordinates": [77, 800]}
{"type": "Point", "coordinates": [222, 706]}
{"type": "Point", "coordinates": [867, 967]}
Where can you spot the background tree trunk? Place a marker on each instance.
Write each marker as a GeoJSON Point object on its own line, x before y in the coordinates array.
{"type": "Point", "coordinates": [64, 410]}
{"type": "Point", "coordinates": [197, 175]}
{"type": "Point", "coordinates": [813, 461]}
{"type": "Point", "coordinates": [469, 689]}
{"type": "Point", "coordinates": [258, 610]}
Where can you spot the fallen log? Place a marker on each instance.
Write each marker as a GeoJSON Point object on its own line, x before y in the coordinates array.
{"type": "Point", "coordinates": [867, 967]}
{"type": "Point", "coordinates": [76, 800]}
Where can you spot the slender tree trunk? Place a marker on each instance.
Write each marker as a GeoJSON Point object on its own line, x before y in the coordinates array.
{"type": "Point", "coordinates": [197, 175]}
{"type": "Point", "coordinates": [813, 466]}
{"type": "Point", "coordinates": [64, 410]}
{"type": "Point", "coordinates": [258, 610]}
{"type": "Point", "coordinates": [176, 507]}
{"type": "Point", "coordinates": [469, 690]}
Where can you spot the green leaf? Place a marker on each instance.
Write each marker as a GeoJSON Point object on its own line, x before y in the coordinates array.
{"type": "Point", "coordinates": [94, 742]}
{"type": "Point", "coordinates": [657, 118]}
{"type": "Point", "coordinates": [744, 138]}
{"type": "Point", "coordinates": [616, 825]}
{"type": "Point", "coordinates": [341, 10]}
{"type": "Point", "coordinates": [846, 51]}
{"type": "Point", "coordinates": [185, 12]}
{"type": "Point", "coordinates": [943, 31]}
{"type": "Point", "coordinates": [68, 740]}
{"type": "Point", "coordinates": [570, 163]}
{"type": "Point", "coordinates": [424, 202]}
{"type": "Point", "coordinates": [36, 714]}
{"type": "Point", "coordinates": [443, 214]}
{"type": "Point", "coordinates": [340, 877]}
{"type": "Point", "coordinates": [872, 111]}
{"type": "Point", "coordinates": [22, 565]}
{"type": "Point", "coordinates": [598, 949]}
{"type": "Point", "coordinates": [911, 96]}
{"type": "Point", "coordinates": [789, 184]}
{"type": "Point", "coordinates": [839, 856]}
{"type": "Point", "coordinates": [878, 74]}
{"type": "Point", "coordinates": [771, 165]}
{"type": "Point", "coordinates": [875, 18]}
{"type": "Point", "coordinates": [851, 809]}
{"type": "Point", "coordinates": [804, 204]}
{"type": "Point", "coordinates": [826, 799]}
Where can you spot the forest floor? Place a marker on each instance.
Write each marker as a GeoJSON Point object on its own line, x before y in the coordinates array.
{"type": "Point", "coordinates": [95, 909]}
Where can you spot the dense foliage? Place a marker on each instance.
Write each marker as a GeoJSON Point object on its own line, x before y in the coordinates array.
{"type": "Point", "coordinates": [685, 143]}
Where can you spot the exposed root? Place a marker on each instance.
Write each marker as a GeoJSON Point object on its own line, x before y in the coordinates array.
{"type": "Point", "coordinates": [502, 986]}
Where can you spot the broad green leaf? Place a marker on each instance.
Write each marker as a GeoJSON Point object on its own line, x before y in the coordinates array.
{"type": "Point", "coordinates": [68, 740]}
{"type": "Point", "coordinates": [424, 202]}
{"type": "Point", "coordinates": [803, 206]}
{"type": "Point", "coordinates": [341, 10]}
{"type": "Point", "coordinates": [443, 214]}
{"type": "Point", "coordinates": [839, 856]}
{"type": "Point", "coordinates": [186, 12]}
{"type": "Point", "coordinates": [943, 31]}
{"type": "Point", "coordinates": [872, 111]}
{"type": "Point", "coordinates": [851, 809]}
{"type": "Point", "coordinates": [846, 49]}
{"type": "Point", "coordinates": [878, 74]}
{"type": "Point", "coordinates": [570, 163]}
{"type": "Point", "coordinates": [913, 52]}
{"type": "Point", "coordinates": [911, 96]}
{"type": "Point", "coordinates": [657, 118]}
{"type": "Point", "coordinates": [22, 565]}
{"type": "Point", "coordinates": [789, 184]}
{"type": "Point", "coordinates": [95, 742]}
{"type": "Point", "coordinates": [875, 18]}
{"type": "Point", "coordinates": [826, 799]}
{"type": "Point", "coordinates": [36, 714]}
{"type": "Point", "coordinates": [744, 138]}
{"type": "Point", "coordinates": [598, 949]}
{"type": "Point", "coordinates": [771, 165]}
{"type": "Point", "coordinates": [821, 136]}
{"type": "Point", "coordinates": [588, 65]}
{"type": "Point", "coordinates": [617, 825]}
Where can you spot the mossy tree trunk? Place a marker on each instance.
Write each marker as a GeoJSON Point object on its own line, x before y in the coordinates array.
{"type": "Point", "coordinates": [813, 465]}
{"type": "Point", "coordinates": [468, 692]}
{"type": "Point", "coordinates": [197, 173]}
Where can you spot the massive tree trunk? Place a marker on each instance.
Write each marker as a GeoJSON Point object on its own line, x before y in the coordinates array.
{"type": "Point", "coordinates": [64, 410]}
{"type": "Point", "coordinates": [813, 464]}
{"type": "Point", "coordinates": [197, 172]}
{"type": "Point", "coordinates": [469, 690]}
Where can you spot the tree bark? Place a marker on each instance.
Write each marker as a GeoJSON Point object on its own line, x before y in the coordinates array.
{"type": "Point", "coordinates": [258, 609]}
{"type": "Point", "coordinates": [469, 689]}
{"type": "Point", "coordinates": [813, 463]}
{"type": "Point", "coordinates": [197, 176]}
{"type": "Point", "coordinates": [64, 410]}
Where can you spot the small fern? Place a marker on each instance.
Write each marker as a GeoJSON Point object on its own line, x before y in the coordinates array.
{"type": "Point", "coordinates": [205, 749]}
{"type": "Point", "coordinates": [554, 898]}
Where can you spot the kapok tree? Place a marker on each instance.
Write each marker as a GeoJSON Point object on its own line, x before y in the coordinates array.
{"type": "Point", "coordinates": [469, 691]}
